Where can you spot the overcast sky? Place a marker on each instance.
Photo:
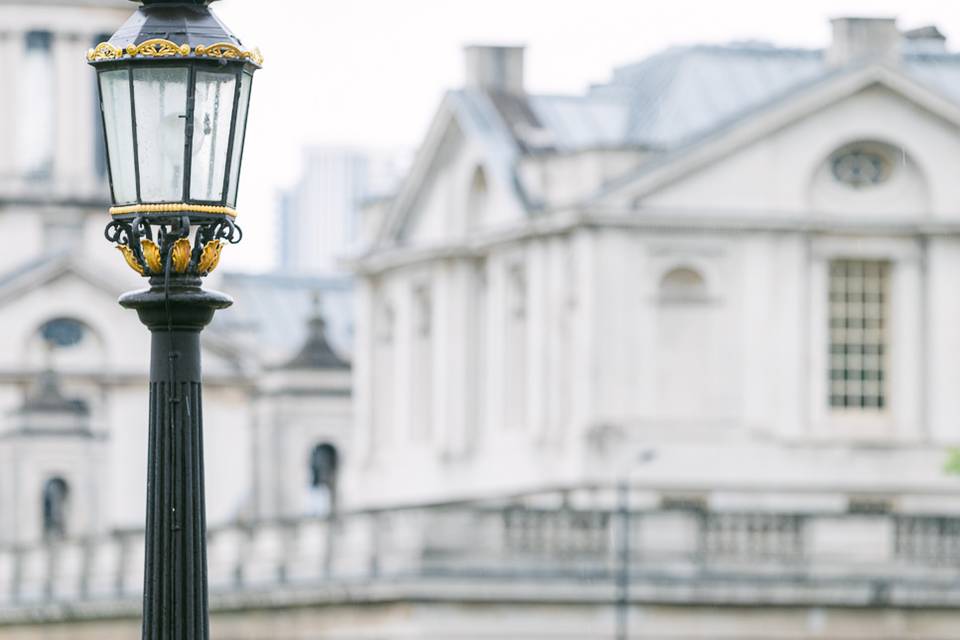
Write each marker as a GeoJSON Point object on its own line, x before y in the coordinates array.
{"type": "Point", "coordinates": [372, 72]}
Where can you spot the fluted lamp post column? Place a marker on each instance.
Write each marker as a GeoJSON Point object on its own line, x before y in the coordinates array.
{"type": "Point", "coordinates": [174, 95]}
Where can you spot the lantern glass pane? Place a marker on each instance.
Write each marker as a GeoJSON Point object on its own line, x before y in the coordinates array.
{"type": "Point", "coordinates": [118, 122]}
{"type": "Point", "coordinates": [239, 133]}
{"type": "Point", "coordinates": [160, 97]}
{"type": "Point", "coordinates": [212, 116]}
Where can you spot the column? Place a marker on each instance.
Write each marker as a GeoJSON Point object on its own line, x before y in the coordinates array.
{"type": "Point", "coordinates": [175, 586]}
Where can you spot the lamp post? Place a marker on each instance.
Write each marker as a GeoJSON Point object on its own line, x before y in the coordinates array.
{"type": "Point", "coordinates": [174, 95]}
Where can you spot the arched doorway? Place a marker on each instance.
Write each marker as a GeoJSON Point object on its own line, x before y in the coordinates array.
{"type": "Point", "coordinates": [323, 467]}
{"type": "Point", "coordinates": [56, 496]}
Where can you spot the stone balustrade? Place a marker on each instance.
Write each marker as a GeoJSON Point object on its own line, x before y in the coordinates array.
{"type": "Point", "coordinates": [677, 551]}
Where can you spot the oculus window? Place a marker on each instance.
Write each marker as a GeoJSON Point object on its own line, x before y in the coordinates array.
{"type": "Point", "coordinates": [863, 164]}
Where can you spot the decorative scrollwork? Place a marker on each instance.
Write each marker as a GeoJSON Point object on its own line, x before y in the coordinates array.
{"type": "Point", "coordinates": [157, 48]}
{"type": "Point", "coordinates": [210, 257]}
{"type": "Point", "coordinates": [104, 51]}
{"type": "Point", "coordinates": [180, 255]}
{"type": "Point", "coordinates": [161, 48]}
{"type": "Point", "coordinates": [131, 259]}
{"type": "Point", "coordinates": [222, 50]}
{"type": "Point", "coordinates": [255, 56]}
{"type": "Point", "coordinates": [229, 52]}
{"type": "Point", "coordinates": [153, 248]}
{"type": "Point", "coordinates": [151, 254]}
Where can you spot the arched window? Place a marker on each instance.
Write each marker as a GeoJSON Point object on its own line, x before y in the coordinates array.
{"type": "Point", "coordinates": [869, 178]}
{"type": "Point", "coordinates": [324, 465]}
{"type": "Point", "coordinates": [56, 496]}
{"type": "Point", "coordinates": [64, 343]}
{"type": "Point", "coordinates": [685, 351]}
{"type": "Point", "coordinates": [683, 284]}
{"type": "Point", "coordinates": [477, 198]}
{"type": "Point", "coordinates": [63, 333]}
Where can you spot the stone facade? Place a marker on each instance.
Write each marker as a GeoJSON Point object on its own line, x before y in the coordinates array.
{"type": "Point", "coordinates": [751, 288]}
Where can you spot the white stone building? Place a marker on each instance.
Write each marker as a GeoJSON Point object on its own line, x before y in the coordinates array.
{"type": "Point", "coordinates": [727, 266]}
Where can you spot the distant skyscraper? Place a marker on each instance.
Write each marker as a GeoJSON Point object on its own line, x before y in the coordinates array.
{"type": "Point", "coordinates": [319, 213]}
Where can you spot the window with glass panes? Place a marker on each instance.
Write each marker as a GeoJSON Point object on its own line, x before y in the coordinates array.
{"type": "Point", "coordinates": [858, 334]}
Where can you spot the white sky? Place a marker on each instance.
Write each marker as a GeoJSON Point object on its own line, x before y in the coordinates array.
{"type": "Point", "coordinates": [372, 72]}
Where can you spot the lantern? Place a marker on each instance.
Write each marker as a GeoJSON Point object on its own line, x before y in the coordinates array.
{"type": "Point", "coordinates": [175, 89]}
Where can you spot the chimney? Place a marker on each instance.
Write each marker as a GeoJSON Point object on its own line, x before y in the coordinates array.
{"type": "Point", "coordinates": [927, 39]}
{"type": "Point", "coordinates": [497, 69]}
{"type": "Point", "coordinates": [858, 40]}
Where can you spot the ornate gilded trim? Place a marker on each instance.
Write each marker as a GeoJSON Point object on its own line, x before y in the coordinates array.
{"type": "Point", "coordinates": [151, 255]}
{"type": "Point", "coordinates": [104, 51]}
{"type": "Point", "coordinates": [229, 52]}
{"type": "Point", "coordinates": [255, 56]}
{"type": "Point", "coordinates": [151, 252]}
{"type": "Point", "coordinates": [160, 48]}
{"type": "Point", "coordinates": [180, 255]}
{"type": "Point", "coordinates": [131, 259]}
{"type": "Point", "coordinates": [210, 257]}
{"type": "Point", "coordinates": [172, 208]}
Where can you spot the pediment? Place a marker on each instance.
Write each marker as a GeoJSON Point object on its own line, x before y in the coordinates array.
{"type": "Point", "coordinates": [62, 287]}
{"type": "Point", "coordinates": [436, 203]}
{"type": "Point", "coordinates": [777, 159]}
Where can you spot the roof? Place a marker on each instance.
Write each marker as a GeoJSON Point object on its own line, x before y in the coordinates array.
{"type": "Point", "coordinates": [274, 311]}
{"type": "Point", "coordinates": [686, 91]}
{"type": "Point", "coordinates": [316, 352]}
{"type": "Point", "coordinates": [676, 97]}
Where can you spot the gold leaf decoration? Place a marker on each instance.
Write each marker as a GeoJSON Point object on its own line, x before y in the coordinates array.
{"type": "Point", "coordinates": [151, 254]}
{"type": "Point", "coordinates": [222, 50]}
{"type": "Point", "coordinates": [161, 48]}
{"type": "Point", "coordinates": [158, 48]}
{"type": "Point", "coordinates": [255, 56]}
{"type": "Point", "coordinates": [210, 257]}
{"type": "Point", "coordinates": [172, 208]}
{"type": "Point", "coordinates": [180, 255]}
{"type": "Point", "coordinates": [130, 258]}
{"type": "Point", "coordinates": [104, 51]}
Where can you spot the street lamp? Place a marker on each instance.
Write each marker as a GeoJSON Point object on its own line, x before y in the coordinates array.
{"type": "Point", "coordinates": [174, 95]}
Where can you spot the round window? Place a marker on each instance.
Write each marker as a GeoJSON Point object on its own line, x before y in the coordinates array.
{"type": "Point", "coordinates": [861, 165]}
{"type": "Point", "coordinates": [63, 332]}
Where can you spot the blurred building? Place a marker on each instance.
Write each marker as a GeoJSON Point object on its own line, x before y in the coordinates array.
{"type": "Point", "coordinates": [319, 214]}
{"type": "Point", "coordinates": [734, 260]}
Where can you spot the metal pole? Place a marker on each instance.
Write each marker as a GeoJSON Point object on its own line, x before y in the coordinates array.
{"type": "Point", "coordinates": [175, 584]}
{"type": "Point", "coordinates": [623, 554]}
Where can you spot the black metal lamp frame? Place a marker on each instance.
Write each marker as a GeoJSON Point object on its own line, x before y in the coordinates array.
{"type": "Point", "coordinates": [177, 34]}
{"type": "Point", "coordinates": [154, 238]}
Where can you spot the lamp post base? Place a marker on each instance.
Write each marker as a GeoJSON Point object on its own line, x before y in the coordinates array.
{"type": "Point", "coordinates": [175, 585]}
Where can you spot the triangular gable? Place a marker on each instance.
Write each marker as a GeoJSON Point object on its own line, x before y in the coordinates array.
{"type": "Point", "coordinates": [730, 138]}
{"type": "Point", "coordinates": [49, 270]}
{"type": "Point", "coordinates": [478, 120]}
